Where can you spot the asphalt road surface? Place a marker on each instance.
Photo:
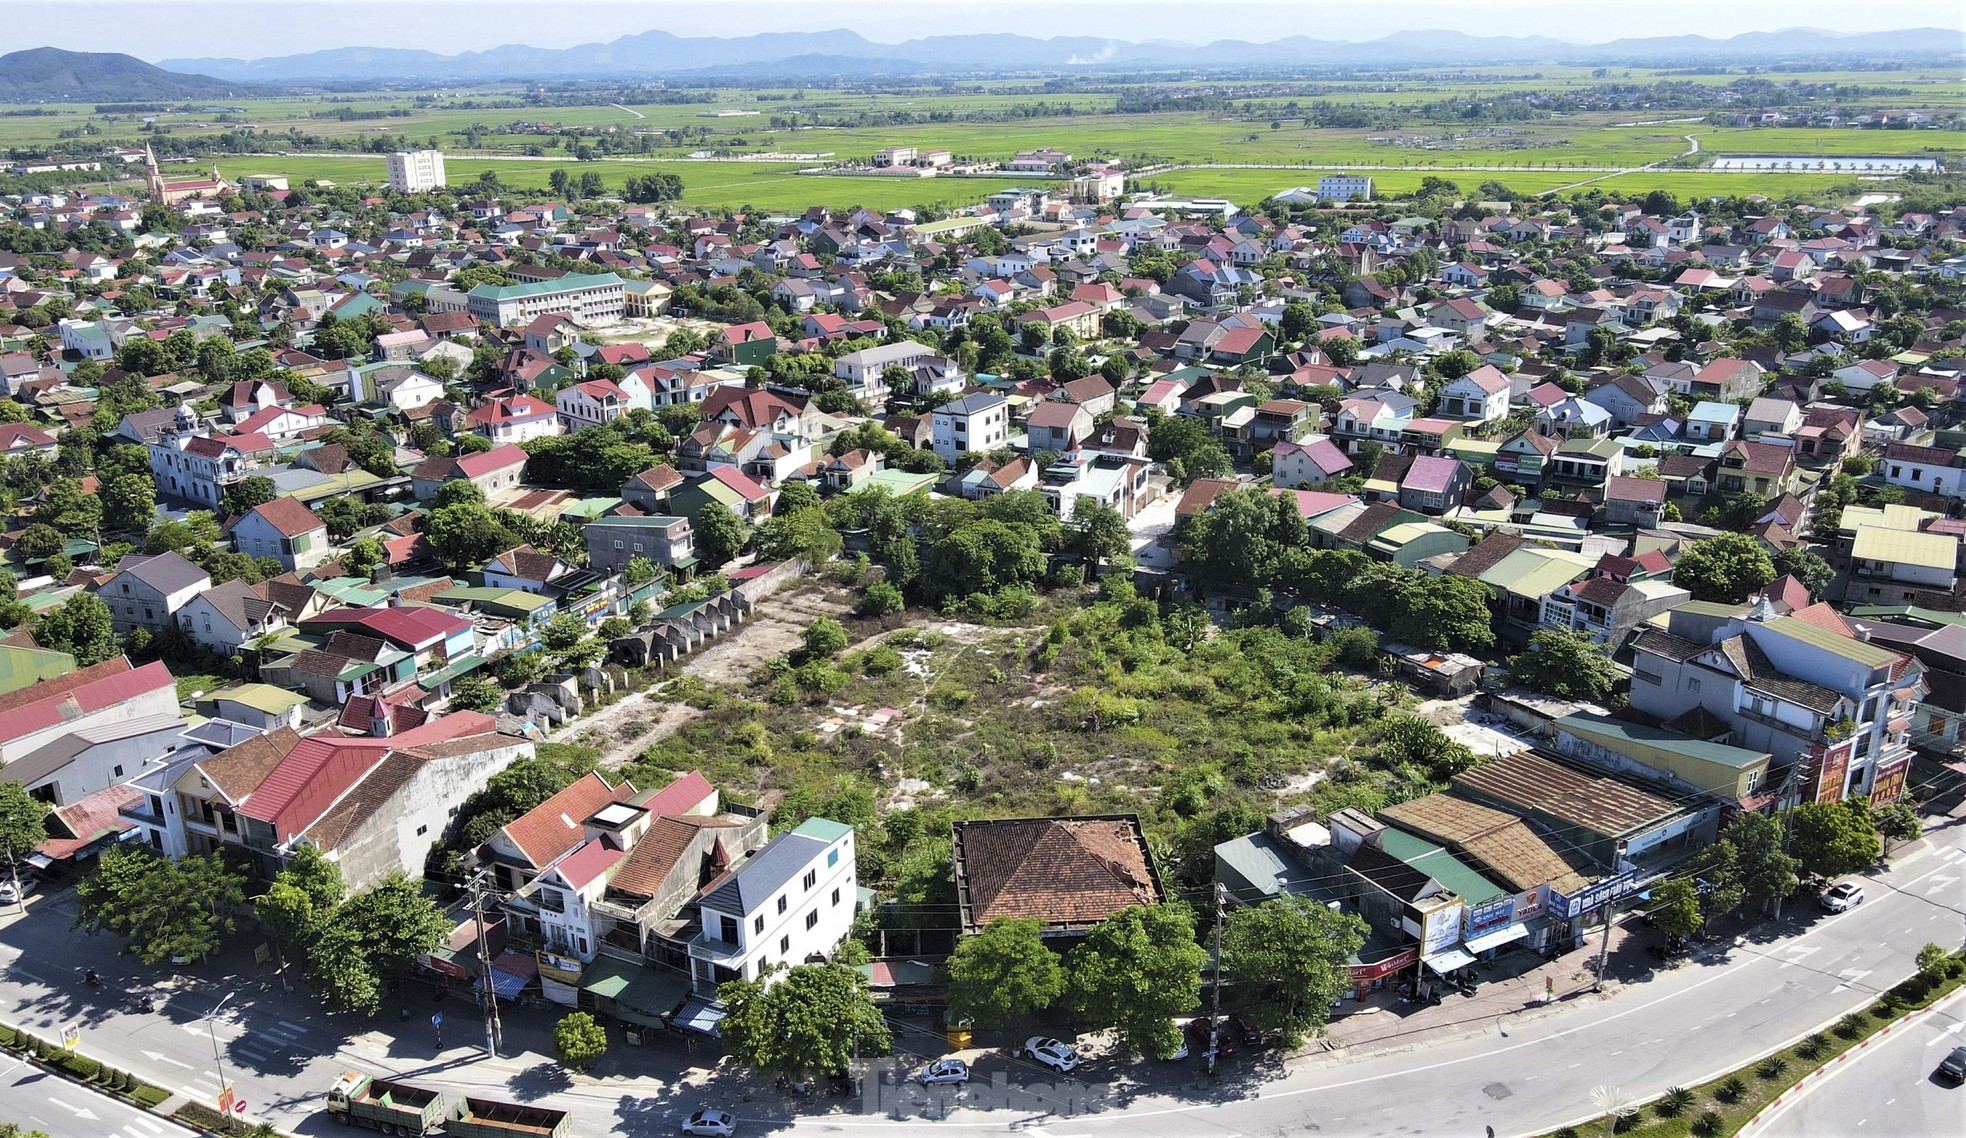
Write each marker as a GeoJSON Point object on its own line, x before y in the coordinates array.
{"type": "Point", "coordinates": [36, 1100]}
{"type": "Point", "coordinates": [1677, 1028]}
{"type": "Point", "coordinates": [1890, 1088]}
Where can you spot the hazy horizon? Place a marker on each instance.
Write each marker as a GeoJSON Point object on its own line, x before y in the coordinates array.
{"type": "Point", "coordinates": [182, 29]}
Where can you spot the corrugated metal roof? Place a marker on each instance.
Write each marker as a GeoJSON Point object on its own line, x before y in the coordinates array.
{"type": "Point", "coordinates": [1905, 547]}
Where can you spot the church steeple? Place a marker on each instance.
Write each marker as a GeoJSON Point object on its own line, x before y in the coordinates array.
{"type": "Point", "coordinates": [153, 179]}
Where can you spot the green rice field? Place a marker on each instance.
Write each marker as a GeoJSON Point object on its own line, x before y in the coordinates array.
{"type": "Point", "coordinates": [1542, 155]}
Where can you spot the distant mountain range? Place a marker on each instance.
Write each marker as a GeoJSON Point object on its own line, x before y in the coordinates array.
{"type": "Point", "coordinates": [46, 74]}
{"type": "Point", "coordinates": [844, 53]}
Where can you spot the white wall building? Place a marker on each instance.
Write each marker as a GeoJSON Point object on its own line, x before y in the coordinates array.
{"type": "Point", "coordinates": [414, 171]}
{"type": "Point", "coordinates": [793, 899]}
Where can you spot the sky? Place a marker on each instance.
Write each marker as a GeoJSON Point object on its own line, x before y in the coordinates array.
{"type": "Point", "coordinates": [167, 29]}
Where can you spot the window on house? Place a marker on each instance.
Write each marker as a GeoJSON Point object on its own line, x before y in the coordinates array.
{"type": "Point", "coordinates": [812, 878]}
{"type": "Point", "coordinates": [832, 858]}
{"type": "Point", "coordinates": [727, 929]}
{"type": "Point", "coordinates": [836, 896]}
{"type": "Point", "coordinates": [758, 922]}
{"type": "Point", "coordinates": [781, 905]}
{"type": "Point", "coordinates": [784, 945]}
{"type": "Point", "coordinates": [422, 830]}
{"type": "Point", "coordinates": [117, 772]}
{"type": "Point", "coordinates": [1692, 683]}
{"type": "Point", "coordinates": [812, 918]}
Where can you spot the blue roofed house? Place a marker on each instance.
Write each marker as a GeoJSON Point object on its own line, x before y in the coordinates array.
{"type": "Point", "coordinates": [792, 901]}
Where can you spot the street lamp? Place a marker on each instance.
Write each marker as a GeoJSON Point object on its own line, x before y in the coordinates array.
{"type": "Point", "coordinates": [211, 1022]}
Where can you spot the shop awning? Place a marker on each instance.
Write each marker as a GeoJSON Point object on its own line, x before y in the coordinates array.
{"type": "Point", "coordinates": [1450, 960]}
{"type": "Point", "coordinates": [606, 978]}
{"type": "Point", "coordinates": [700, 1015]}
{"type": "Point", "coordinates": [1497, 938]}
{"type": "Point", "coordinates": [507, 985]}
{"type": "Point", "coordinates": [654, 994]}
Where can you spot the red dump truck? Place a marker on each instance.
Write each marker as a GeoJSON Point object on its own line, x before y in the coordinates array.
{"type": "Point", "coordinates": [401, 1109]}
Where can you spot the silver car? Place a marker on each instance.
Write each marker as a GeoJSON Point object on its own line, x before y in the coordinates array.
{"type": "Point", "coordinates": [1052, 1053]}
{"type": "Point", "coordinates": [1842, 896]}
{"type": "Point", "coordinates": [943, 1072]}
{"type": "Point", "coordinates": [715, 1123]}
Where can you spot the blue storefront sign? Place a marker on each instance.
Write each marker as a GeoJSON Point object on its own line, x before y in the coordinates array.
{"type": "Point", "coordinates": [1593, 896]}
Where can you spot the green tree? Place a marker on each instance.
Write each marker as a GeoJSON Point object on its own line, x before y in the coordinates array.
{"type": "Point", "coordinates": [1807, 567]}
{"type": "Point", "coordinates": [1675, 907]}
{"type": "Point", "coordinates": [1293, 952]}
{"type": "Point", "coordinates": [39, 541]}
{"type": "Point", "coordinates": [1724, 569]}
{"type": "Point", "coordinates": [23, 825]}
{"type": "Point", "coordinates": [1569, 665]}
{"type": "Point", "coordinates": [163, 908]}
{"type": "Point", "coordinates": [720, 535]}
{"type": "Point", "coordinates": [824, 639]}
{"type": "Point", "coordinates": [363, 557]}
{"type": "Point", "coordinates": [373, 937]}
{"type": "Point", "coordinates": [466, 535]}
{"type": "Point", "coordinates": [639, 571]}
{"type": "Point", "coordinates": [808, 1021]}
{"type": "Point", "coordinates": [1899, 822]}
{"type": "Point", "coordinates": [242, 496]}
{"type": "Point", "coordinates": [129, 504]}
{"type": "Point", "coordinates": [1833, 838]}
{"type": "Point", "coordinates": [1934, 963]}
{"type": "Point", "coordinates": [458, 492]}
{"type": "Point", "coordinates": [880, 599]}
{"type": "Point", "coordinates": [983, 556]}
{"type": "Point", "coordinates": [795, 495]}
{"type": "Point", "coordinates": [302, 898]}
{"type": "Point", "coordinates": [1135, 972]}
{"type": "Point", "coordinates": [1004, 974]}
{"type": "Point", "coordinates": [82, 627]}
{"type": "Point", "coordinates": [477, 693]}
{"type": "Point", "coordinates": [562, 633]}
{"type": "Point", "coordinates": [578, 1040]}
{"type": "Point", "coordinates": [1767, 872]}
{"type": "Point", "coordinates": [1241, 540]}
{"type": "Point", "coordinates": [1441, 613]}
{"type": "Point", "coordinates": [1097, 532]}
{"type": "Point", "coordinates": [798, 534]}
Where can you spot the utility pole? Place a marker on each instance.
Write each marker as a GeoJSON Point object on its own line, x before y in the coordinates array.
{"type": "Point", "coordinates": [1215, 1016]}
{"type": "Point", "coordinates": [1604, 949]}
{"type": "Point", "coordinates": [487, 996]}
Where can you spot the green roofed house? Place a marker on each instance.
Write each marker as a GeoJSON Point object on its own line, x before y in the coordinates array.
{"type": "Point", "coordinates": [1729, 773]}
{"type": "Point", "coordinates": [22, 667]}
{"type": "Point", "coordinates": [587, 298]}
{"type": "Point", "coordinates": [258, 705]}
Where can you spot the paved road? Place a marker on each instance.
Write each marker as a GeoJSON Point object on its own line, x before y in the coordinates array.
{"type": "Point", "coordinates": [1888, 1088]}
{"type": "Point", "coordinates": [1520, 1076]}
{"type": "Point", "coordinates": [39, 1101]}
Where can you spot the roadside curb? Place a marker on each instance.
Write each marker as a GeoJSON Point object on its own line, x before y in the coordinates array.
{"type": "Point", "coordinates": [165, 1108]}
{"type": "Point", "coordinates": [1802, 1085]}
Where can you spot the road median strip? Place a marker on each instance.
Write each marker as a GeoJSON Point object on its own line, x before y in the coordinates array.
{"type": "Point", "coordinates": [1733, 1101]}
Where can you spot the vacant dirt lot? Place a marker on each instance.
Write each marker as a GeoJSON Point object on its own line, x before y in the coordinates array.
{"type": "Point", "coordinates": [775, 628]}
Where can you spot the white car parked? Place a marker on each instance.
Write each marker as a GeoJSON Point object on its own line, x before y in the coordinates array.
{"type": "Point", "coordinates": [714, 1123]}
{"type": "Point", "coordinates": [944, 1072]}
{"type": "Point", "coordinates": [1058, 1056]}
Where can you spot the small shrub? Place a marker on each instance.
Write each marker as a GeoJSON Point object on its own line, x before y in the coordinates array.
{"type": "Point", "coordinates": [1732, 1090]}
{"type": "Point", "coordinates": [880, 660]}
{"type": "Point", "coordinates": [1850, 1026]}
{"type": "Point", "coordinates": [1708, 1124]}
{"type": "Point", "coordinates": [1885, 1009]}
{"type": "Point", "coordinates": [1813, 1046]}
{"type": "Point", "coordinates": [1674, 1102]}
{"type": "Point", "coordinates": [81, 1066]}
{"type": "Point", "coordinates": [948, 697]}
{"type": "Point", "coordinates": [1771, 1067]}
{"type": "Point", "coordinates": [149, 1095]}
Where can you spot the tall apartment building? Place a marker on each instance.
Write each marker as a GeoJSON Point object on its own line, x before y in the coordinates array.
{"type": "Point", "coordinates": [414, 171]}
{"type": "Point", "coordinates": [1345, 187]}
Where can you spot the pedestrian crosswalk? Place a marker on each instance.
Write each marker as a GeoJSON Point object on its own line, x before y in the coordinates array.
{"type": "Point", "coordinates": [140, 1128]}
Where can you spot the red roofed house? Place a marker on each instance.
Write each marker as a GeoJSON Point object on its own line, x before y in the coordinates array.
{"type": "Point", "coordinates": [492, 471]}
{"type": "Point", "coordinates": [747, 345]}
{"type": "Point", "coordinates": [284, 530]}
{"type": "Point", "coordinates": [373, 805]}
{"type": "Point", "coordinates": [513, 419]}
{"type": "Point", "coordinates": [1307, 464]}
{"type": "Point", "coordinates": [433, 637]}
{"type": "Point", "coordinates": [1067, 873]}
{"type": "Point", "coordinates": [86, 699]}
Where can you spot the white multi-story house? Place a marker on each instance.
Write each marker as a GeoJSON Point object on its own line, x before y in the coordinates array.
{"type": "Point", "coordinates": [594, 403]}
{"type": "Point", "coordinates": [147, 592]}
{"type": "Point", "coordinates": [1481, 395]}
{"type": "Point", "coordinates": [792, 901]}
{"type": "Point", "coordinates": [974, 424]}
{"type": "Point", "coordinates": [286, 531]}
{"type": "Point", "coordinates": [862, 369]}
{"type": "Point", "coordinates": [1834, 711]}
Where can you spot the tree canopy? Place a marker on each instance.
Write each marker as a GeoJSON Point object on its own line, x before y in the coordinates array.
{"type": "Point", "coordinates": [1724, 569]}
{"type": "Point", "coordinates": [1135, 972]}
{"type": "Point", "coordinates": [1293, 951]}
{"type": "Point", "coordinates": [163, 908]}
{"type": "Point", "coordinates": [806, 1022]}
{"type": "Point", "coordinates": [1004, 973]}
{"type": "Point", "coordinates": [1569, 665]}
